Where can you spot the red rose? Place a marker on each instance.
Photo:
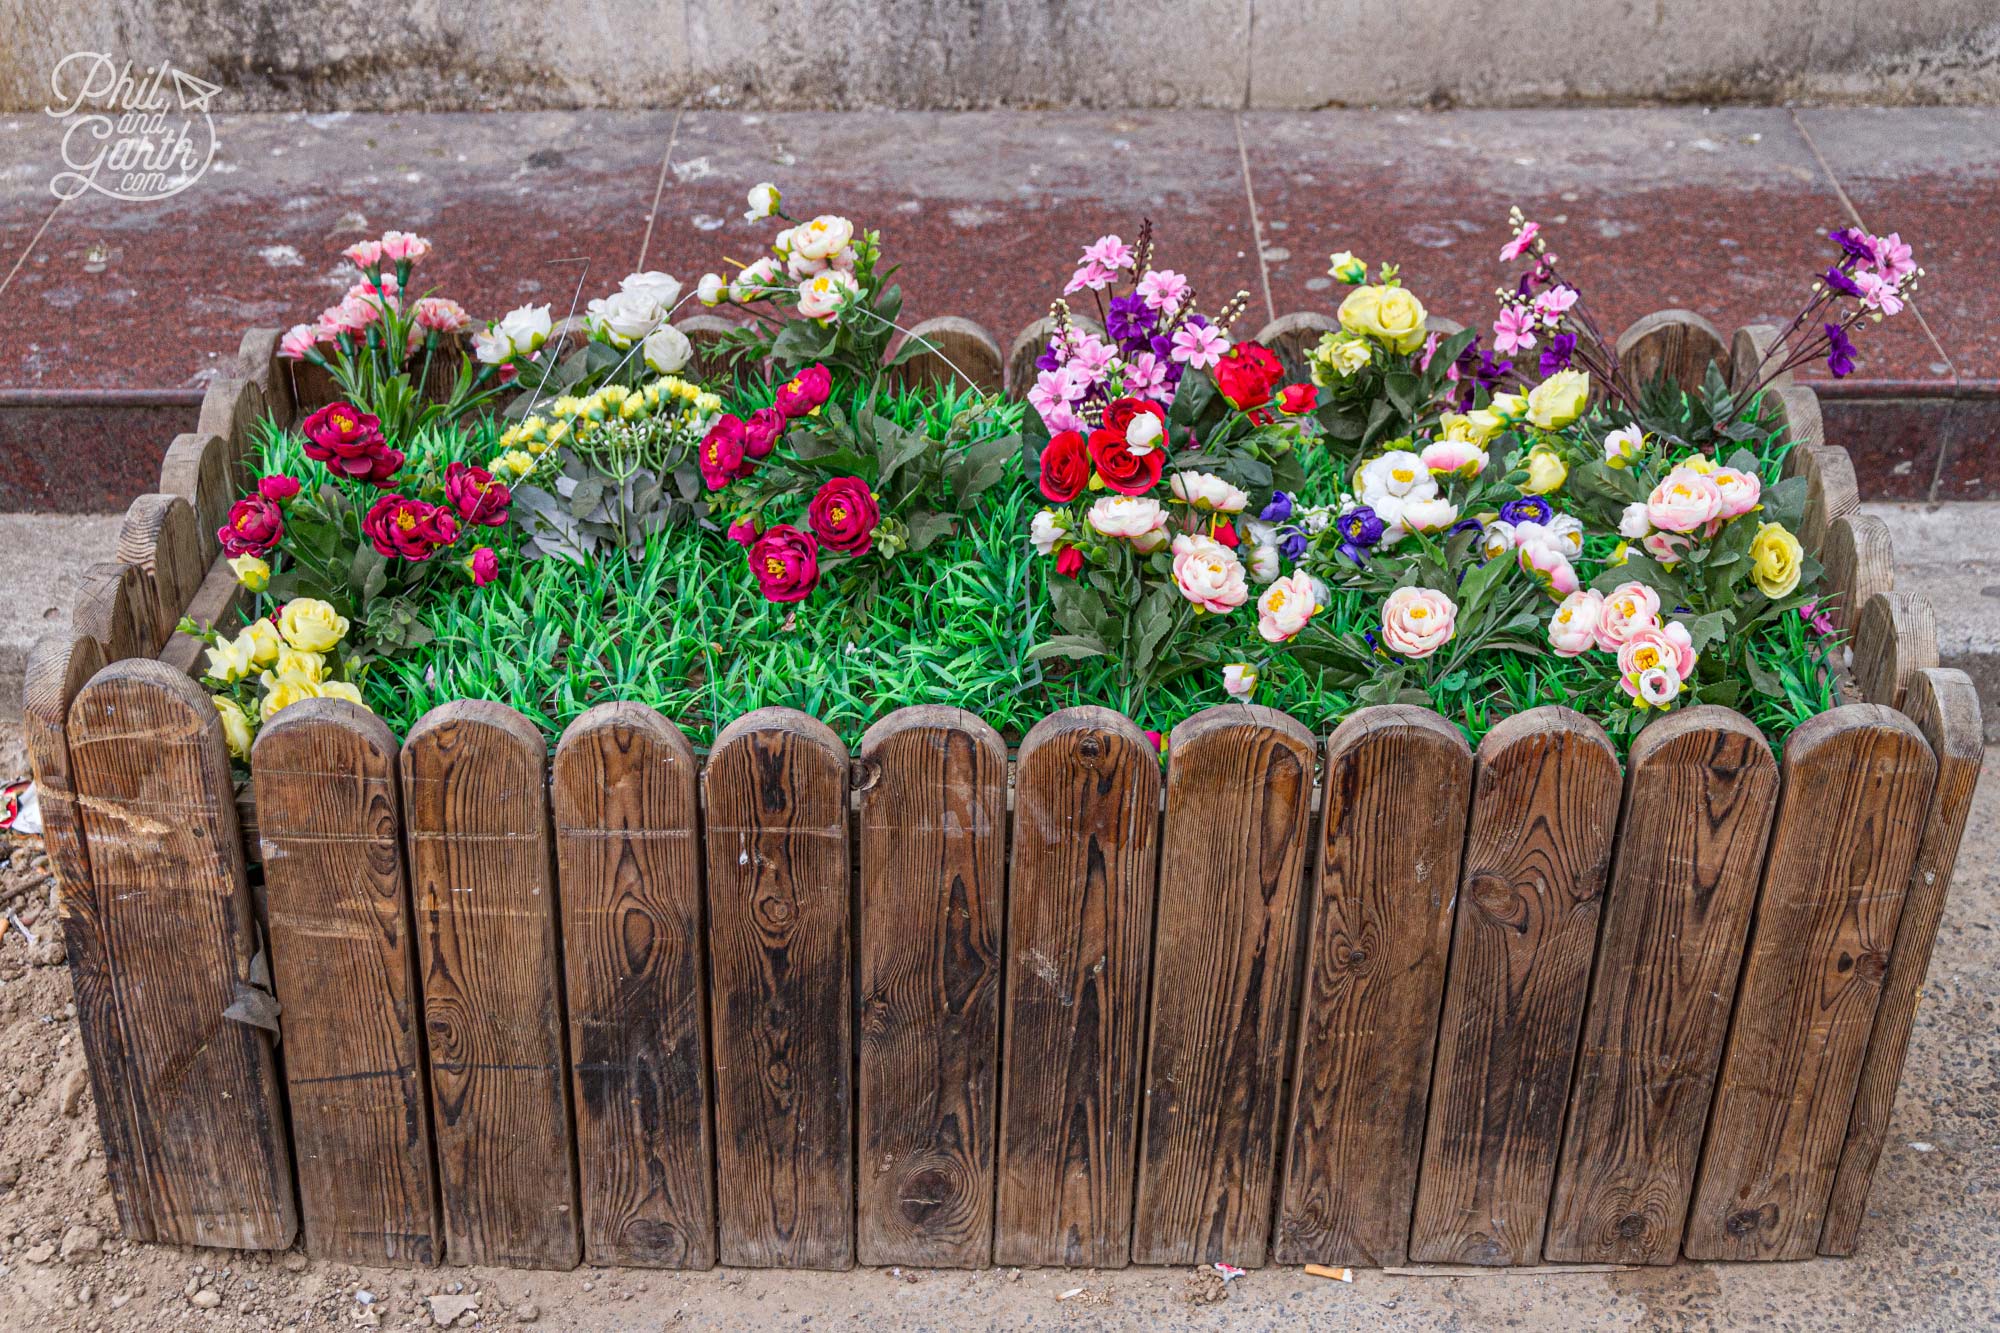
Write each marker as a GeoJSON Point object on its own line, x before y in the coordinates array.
{"type": "Point", "coordinates": [843, 516]}
{"type": "Point", "coordinates": [1124, 471]}
{"type": "Point", "coordinates": [278, 487]}
{"type": "Point", "coordinates": [1065, 467]}
{"type": "Point", "coordinates": [804, 391]}
{"type": "Point", "coordinates": [1225, 533]}
{"type": "Point", "coordinates": [479, 498]}
{"type": "Point", "coordinates": [1298, 399]}
{"type": "Point", "coordinates": [785, 562]}
{"type": "Point", "coordinates": [409, 529]}
{"type": "Point", "coordinates": [1069, 562]}
{"type": "Point", "coordinates": [1247, 374]}
{"type": "Point", "coordinates": [722, 455]}
{"type": "Point", "coordinates": [761, 431]}
{"type": "Point", "coordinates": [254, 527]}
{"type": "Point", "coordinates": [1119, 415]}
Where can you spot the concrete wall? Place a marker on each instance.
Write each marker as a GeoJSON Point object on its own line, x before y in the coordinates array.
{"type": "Point", "coordinates": [920, 54]}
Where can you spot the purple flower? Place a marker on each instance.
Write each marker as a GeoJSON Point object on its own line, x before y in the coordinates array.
{"type": "Point", "coordinates": [1556, 355]}
{"type": "Point", "coordinates": [1278, 510]}
{"type": "Point", "coordinates": [1048, 360]}
{"type": "Point", "coordinates": [1359, 528]}
{"type": "Point", "coordinates": [1463, 525]}
{"type": "Point", "coordinates": [1854, 241]}
{"type": "Point", "coordinates": [1836, 278]}
{"type": "Point", "coordinates": [1527, 509]}
{"type": "Point", "coordinates": [1839, 351]}
{"type": "Point", "coordinates": [1130, 320]}
{"type": "Point", "coordinates": [1294, 543]}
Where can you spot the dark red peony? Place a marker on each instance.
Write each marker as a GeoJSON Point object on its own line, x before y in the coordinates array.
{"type": "Point", "coordinates": [761, 431]}
{"type": "Point", "coordinates": [278, 487]}
{"type": "Point", "coordinates": [804, 391]}
{"type": "Point", "coordinates": [843, 516]}
{"type": "Point", "coordinates": [255, 524]}
{"type": "Point", "coordinates": [480, 498]}
{"type": "Point", "coordinates": [349, 442]}
{"type": "Point", "coordinates": [408, 529]}
{"type": "Point", "coordinates": [785, 562]}
{"type": "Point", "coordinates": [1065, 467]}
{"type": "Point", "coordinates": [1124, 471]}
{"type": "Point", "coordinates": [1248, 374]}
{"type": "Point", "coordinates": [722, 456]}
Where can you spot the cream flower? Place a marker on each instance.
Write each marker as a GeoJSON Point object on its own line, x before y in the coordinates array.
{"type": "Point", "coordinates": [1239, 679]}
{"type": "Point", "coordinates": [1209, 574]}
{"type": "Point", "coordinates": [1286, 606]}
{"type": "Point", "coordinates": [236, 731]}
{"type": "Point", "coordinates": [1630, 608]}
{"type": "Point", "coordinates": [1127, 516]}
{"type": "Point", "coordinates": [1416, 622]}
{"type": "Point", "coordinates": [308, 623]}
{"type": "Point", "coordinates": [1046, 531]}
{"type": "Point", "coordinates": [1207, 492]}
{"type": "Point", "coordinates": [822, 296]}
{"type": "Point", "coordinates": [1573, 627]}
{"type": "Point", "coordinates": [821, 237]}
{"type": "Point", "coordinates": [1684, 501]}
{"type": "Point", "coordinates": [667, 349]}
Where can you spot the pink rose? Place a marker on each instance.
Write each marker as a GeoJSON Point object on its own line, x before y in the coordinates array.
{"type": "Point", "coordinates": [843, 516]}
{"type": "Point", "coordinates": [1630, 608]}
{"type": "Point", "coordinates": [1740, 491]}
{"type": "Point", "coordinates": [1548, 564]}
{"type": "Point", "coordinates": [785, 562]}
{"type": "Point", "coordinates": [254, 527]}
{"type": "Point", "coordinates": [1684, 501]}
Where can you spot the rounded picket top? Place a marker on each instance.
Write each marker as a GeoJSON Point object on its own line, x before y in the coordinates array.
{"type": "Point", "coordinates": [160, 536]}
{"type": "Point", "coordinates": [59, 665]}
{"type": "Point", "coordinates": [1852, 725]}
{"type": "Point", "coordinates": [1292, 337]}
{"type": "Point", "coordinates": [1088, 734]}
{"type": "Point", "coordinates": [622, 766]}
{"type": "Point", "coordinates": [1553, 722]}
{"type": "Point", "coordinates": [1030, 343]}
{"type": "Point", "coordinates": [138, 694]}
{"type": "Point", "coordinates": [1672, 728]}
{"type": "Point", "coordinates": [783, 721]}
{"type": "Point", "coordinates": [258, 355]}
{"type": "Point", "coordinates": [797, 752]}
{"type": "Point", "coordinates": [959, 349]}
{"type": "Point", "coordinates": [1677, 344]}
{"type": "Point", "coordinates": [1797, 409]}
{"type": "Point", "coordinates": [1408, 725]}
{"type": "Point", "coordinates": [196, 468]}
{"type": "Point", "coordinates": [1223, 728]}
{"type": "Point", "coordinates": [1860, 561]}
{"type": "Point", "coordinates": [306, 763]}
{"type": "Point", "coordinates": [912, 731]}
{"type": "Point", "coordinates": [1895, 636]}
{"type": "Point", "coordinates": [114, 606]}
{"type": "Point", "coordinates": [474, 767]}
{"type": "Point", "coordinates": [1747, 347]}
{"type": "Point", "coordinates": [285, 737]}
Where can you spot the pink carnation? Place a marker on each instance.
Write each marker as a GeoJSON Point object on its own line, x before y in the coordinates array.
{"type": "Point", "coordinates": [404, 247]}
{"type": "Point", "coordinates": [440, 315]}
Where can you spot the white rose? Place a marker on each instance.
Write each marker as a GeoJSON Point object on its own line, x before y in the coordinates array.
{"type": "Point", "coordinates": [1566, 531]}
{"type": "Point", "coordinates": [1206, 491]}
{"type": "Point", "coordinates": [822, 297]}
{"type": "Point", "coordinates": [1143, 434]}
{"type": "Point", "coordinates": [1047, 529]}
{"type": "Point", "coordinates": [713, 289]}
{"type": "Point", "coordinates": [525, 329]}
{"type": "Point", "coordinates": [664, 288]}
{"type": "Point", "coordinates": [822, 236]}
{"type": "Point", "coordinates": [1633, 523]}
{"type": "Point", "coordinates": [622, 318]}
{"type": "Point", "coordinates": [1398, 473]}
{"type": "Point", "coordinates": [764, 199]}
{"type": "Point", "coordinates": [1127, 516]}
{"type": "Point", "coordinates": [1265, 562]}
{"type": "Point", "coordinates": [491, 347]}
{"type": "Point", "coordinates": [667, 349]}
{"type": "Point", "coordinates": [1431, 515]}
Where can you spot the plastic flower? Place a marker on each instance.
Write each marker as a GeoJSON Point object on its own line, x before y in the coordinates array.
{"type": "Point", "coordinates": [1122, 469]}
{"type": "Point", "coordinates": [310, 624]}
{"type": "Point", "coordinates": [265, 642]}
{"type": "Point", "coordinates": [1548, 565]}
{"type": "Point", "coordinates": [1132, 517]}
{"type": "Point", "coordinates": [484, 566]}
{"type": "Point", "coordinates": [1559, 399]}
{"type": "Point", "coordinates": [1207, 492]}
{"type": "Point", "coordinates": [236, 731]}
{"type": "Point", "coordinates": [764, 200]}
{"type": "Point", "coordinates": [1209, 574]}
{"type": "Point", "coordinates": [1546, 471]}
{"type": "Point", "coordinates": [1740, 491]}
{"type": "Point", "coordinates": [279, 487]}
{"type": "Point", "coordinates": [1513, 331]}
{"type": "Point", "coordinates": [1623, 445]}
{"type": "Point", "coordinates": [1065, 467]}
{"type": "Point", "coordinates": [480, 498]}
{"type": "Point", "coordinates": [785, 563]}
{"type": "Point", "coordinates": [404, 247]}
{"type": "Point", "coordinates": [1775, 560]}
{"type": "Point", "coordinates": [1342, 266]}
{"type": "Point", "coordinates": [1573, 626]}
{"type": "Point", "coordinates": [440, 314]}
{"type": "Point", "coordinates": [712, 289]}
{"type": "Point", "coordinates": [1198, 345]}
{"type": "Point", "coordinates": [1337, 356]}
{"type": "Point", "coordinates": [1163, 290]}
{"type": "Point", "coordinates": [298, 343]}
{"type": "Point", "coordinates": [825, 295]}
{"type": "Point", "coordinates": [1392, 316]}
{"type": "Point", "coordinates": [667, 349]}
{"type": "Point", "coordinates": [1239, 679]}
{"type": "Point", "coordinates": [1286, 607]}
{"type": "Point", "coordinates": [1295, 400]}
{"type": "Point", "coordinates": [821, 237]}
{"type": "Point", "coordinates": [844, 515]}
{"type": "Point", "coordinates": [1629, 608]}
{"type": "Point", "coordinates": [254, 527]}
{"type": "Point", "coordinates": [407, 529]}
{"type": "Point", "coordinates": [253, 573]}
{"type": "Point", "coordinates": [1247, 375]}
{"type": "Point", "coordinates": [1048, 530]}
{"type": "Point", "coordinates": [1454, 458]}
{"type": "Point", "coordinates": [1839, 351]}
{"type": "Point", "coordinates": [1684, 501]}
{"type": "Point", "coordinates": [804, 392]}
{"type": "Point", "coordinates": [1416, 622]}
{"type": "Point", "coordinates": [1360, 528]}
{"type": "Point", "coordinates": [1523, 238]}
{"type": "Point", "coordinates": [230, 660]}
{"type": "Point", "coordinates": [623, 318]}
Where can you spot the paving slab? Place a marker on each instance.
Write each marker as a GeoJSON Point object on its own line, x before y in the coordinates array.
{"type": "Point", "coordinates": [42, 559]}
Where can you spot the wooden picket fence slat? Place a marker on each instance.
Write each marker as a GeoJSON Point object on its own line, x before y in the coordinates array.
{"type": "Point", "coordinates": [343, 957]}
{"type": "Point", "coordinates": [1675, 344]}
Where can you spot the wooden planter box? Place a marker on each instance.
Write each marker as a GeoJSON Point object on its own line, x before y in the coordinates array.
{"type": "Point", "coordinates": [1352, 996]}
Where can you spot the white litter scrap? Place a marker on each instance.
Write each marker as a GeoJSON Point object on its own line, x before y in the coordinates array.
{"type": "Point", "coordinates": [1230, 1272]}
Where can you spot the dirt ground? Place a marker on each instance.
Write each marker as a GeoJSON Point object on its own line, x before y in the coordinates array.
{"type": "Point", "coordinates": [1927, 1259]}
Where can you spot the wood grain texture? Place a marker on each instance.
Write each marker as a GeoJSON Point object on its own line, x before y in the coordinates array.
{"type": "Point", "coordinates": [1678, 345]}
{"type": "Point", "coordinates": [1398, 784]}
{"type": "Point", "coordinates": [1232, 868]}
{"type": "Point", "coordinates": [344, 962]}
{"type": "Point", "coordinates": [1895, 637]}
{"type": "Point", "coordinates": [1029, 344]}
{"type": "Point", "coordinates": [475, 802]}
{"type": "Point", "coordinates": [159, 536]}
{"type": "Point", "coordinates": [1945, 707]}
{"type": "Point", "coordinates": [1544, 806]}
{"type": "Point", "coordinates": [114, 605]}
{"type": "Point", "coordinates": [229, 409]}
{"type": "Point", "coordinates": [1079, 931]}
{"type": "Point", "coordinates": [703, 333]}
{"type": "Point", "coordinates": [933, 784]}
{"type": "Point", "coordinates": [258, 355]}
{"type": "Point", "coordinates": [196, 468]}
{"type": "Point", "coordinates": [1857, 782]}
{"type": "Point", "coordinates": [780, 934]}
{"type": "Point", "coordinates": [158, 817]}
{"type": "Point", "coordinates": [960, 349]}
{"type": "Point", "coordinates": [1860, 562]}
{"type": "Point", "coordinates": [1291, 339]}
{"type": "Point", "coordinates": [1699, 798]}
{"type": "Point", "coordinates": [1831, 493]}
{"type": "Point", "coordinates": [628, 845]}
{"type": "Point", "coordinates": [58, 667]}
{"type": "Point", "coordinates": [1747, 348]}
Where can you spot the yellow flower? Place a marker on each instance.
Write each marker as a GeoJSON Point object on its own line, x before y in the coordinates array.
{"type": "Point", "coordinates": [281, 692]}
{"type": "Point", "coordinates": [707, 402]}
{"type": "Point", "coordinates": [340, 689]}
{"type": "Point", "coordinates": [1337, 356]}
{"type": "Point", "coordinates": [264, 641]}
{"type": "Point", "coordinates": [308, 623]}
{"type": "Point", "coordinates": [1620, 554]}
{"type": "Point", "coordinates": [566, 406]}
{"type": "Point", "coordinates": [1347, 268]}
{"type": "Point", "coordinates": [299, 662]}
{"type": "Point", "coordinates": [1546, 472]}
{"type": "Point", "coordinates": [1559, 399]}
{"type": "Point", "coordinates": [230, 660]}
{"type": "Point", "coordinates": [1701, 463]}
{"type": "Point", "coordinates": [1775, 556]}
{"type": "Point", "coordinates": [512, 463]}
{"type": "Point", "coordinates": [1509, 407]}
{"type": "Point", "coordinates": [1462, 427]}
{"type": "Point", "coordinates": [1484, 424]}
{"type": "Point", "coordinates": [251, 572]}
{"type": "Point", "coordinates": [235, 725]}
{"type": "Point", "coordinates": [1390, 315]}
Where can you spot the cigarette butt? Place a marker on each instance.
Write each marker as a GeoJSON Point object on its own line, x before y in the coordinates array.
{"type": "Point", "coordinates": [1337, 1274]}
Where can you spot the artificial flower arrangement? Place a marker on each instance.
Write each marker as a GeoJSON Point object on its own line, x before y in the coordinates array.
{"type": "Point", "coordinates": [298, 652]}
{"type": "Point", "coordinates": [629, 339]}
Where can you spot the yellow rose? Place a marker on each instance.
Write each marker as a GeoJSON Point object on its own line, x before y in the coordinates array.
{"type": "Point", "coordinates": [235, 726]}
{"type": "Point", "coordinates": [1484, 424]}
{"type": "Point", "coordinates": [299, 662]}
{"type": "Point", "coordinates": [1774, 560]}
{"type": "Point", "coordinates": [1559, 399]}
{"type": "Point", "coordinates": [251, 572]}
{"type": "Point", "coordinates": [1347, 268]}
{"type": "Point", "coordinates": [1509, 407]}
{"type": "Point", "coordinates": [1546, 472]}
{"type": "Point", "coordinates": [308, 623]}
{"type": "Point", "coordinates": [340, 689]}
{"type": "Point", "coordinates": [281, 692]}
{"type": "Point", "coordinates": [1463, 427]}
{"type": "Point", "coordinates": [230, 660]}
{"type": "Point", "coordinates": [264, 641]}
{"type": "Point", "coordinates": [1337, 356]}
{"type": "Point", "coordinates": [1391, 315]}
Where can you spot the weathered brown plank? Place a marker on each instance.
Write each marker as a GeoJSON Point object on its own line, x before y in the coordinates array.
{"type": "Point", "coordinates": [1232, 868]}
{"type": "Point", "coordinates": [1544, 805]}
{"type": "Point", "coordinates": [1398, 783]}
{"type": "Point", "coordinates": [1945, 707]}
{"type": "Point", "coordinates": [229, 409]}
{"type": "Point", "coordinates": [344, 962]}
{"type": "Point", "coordinates": [780, 932]}
{"type": "Point", "coordinates": [1079, 926]}
{"type": "Point", "coordinates": [1747, 347]}
{"type": "Point", "coordinates": [628, 846]}
{"type": "Point", "coordinates": [196, 468]}
{"type": "Point", "coordinates": [1676, 344]}
{"type": "Point", "coordinates": [219, 603]}
{"type": "Point", "coordinates": [262, 366]}
{"type": "Point", "coordinates": [1856, 783]}
{"type": "Point", "coordinates": [1698, 805]}
{"type": "Point", "coordinates": [704, 332]}
{"type": "Point", "coordinates": [1831, 493]}
{"type": "Point", "coordinates": [58, 667]}
{"type": "Point", "coordinates": [1291, 339]}
{"type": "Point", "coordinates": [1895, 637]}
{"type": "Point", "coordinates": [1029, 344]}
{"type": "Point", "coordinates": [158, 816]}
{"type": "Point", "coordinates": [114, 605]}
{"type": "Point", "coordinates": [159, 537]}
{"type": "Point", "coordinates": [1860, 562]}
{"type": "Point", "coordinates": [933, 785]}
{"type": "Point", "coordinates": [960, 349]}
{"type": "Point", "coordinates": [475, 801]}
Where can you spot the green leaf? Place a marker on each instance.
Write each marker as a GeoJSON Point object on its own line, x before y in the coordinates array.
{"type": "Point", "coordinates": [1072, 646]}
{"type": "Point", "coordinates": [926, 526]}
